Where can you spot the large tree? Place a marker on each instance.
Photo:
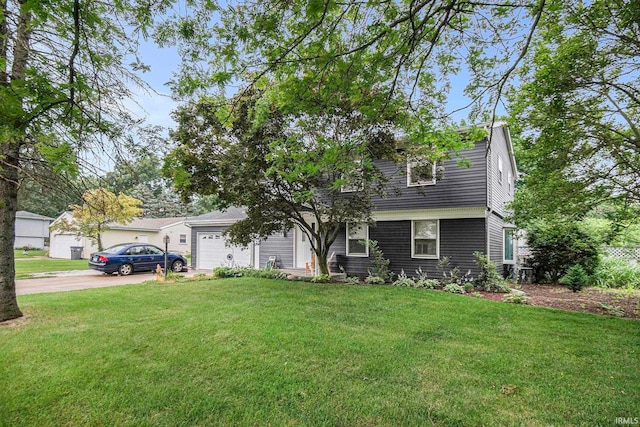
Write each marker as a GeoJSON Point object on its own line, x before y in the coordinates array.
{"type": "Point", "coordinates": [65, 68]}
{"type": "Point", "coordinates": [286, 169]}
{"type": "Point", "coordinates": [578, 111]}
{"type": "Point", "coordinates": [100, 208]}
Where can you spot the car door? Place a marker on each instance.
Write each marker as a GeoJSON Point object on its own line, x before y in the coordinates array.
{"type": "Point", "coordinates": [135, 256]}
{"type": "Point", "coordinates": [155, 256]}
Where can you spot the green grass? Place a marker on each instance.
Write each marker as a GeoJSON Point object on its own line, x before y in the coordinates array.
{"type": "Point", "coordinates": [26, 267]}
{"type": "Point", "coordinates": [263, 352]}
{"type": "Point", "coordinates": [19, 253]}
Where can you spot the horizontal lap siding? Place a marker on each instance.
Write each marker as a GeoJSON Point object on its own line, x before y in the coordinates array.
{"type": "Point", "coordinates": [459, 238]}
{"type": "Point", "coordinates": [496, 240]}
{"type": "Point", "coordinates": [280, 246]}
{"type": "Point", "coordinates": [460, 186]}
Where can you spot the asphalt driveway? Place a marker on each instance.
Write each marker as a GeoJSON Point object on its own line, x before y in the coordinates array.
{"type": "Point", "coordinates": [85, 279]}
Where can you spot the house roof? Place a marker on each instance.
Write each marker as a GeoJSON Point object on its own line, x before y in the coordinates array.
{"type": "Point", "coordinates": [30, 215]}
{"type": "Point", "coordinates": [147, 224]}
{"type": "Point", "coordinates": [227, 216]}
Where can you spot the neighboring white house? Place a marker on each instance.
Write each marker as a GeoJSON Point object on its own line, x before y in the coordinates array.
{"type": "Point", "coordinates": [144, 230]}
{"type": "Point", "coordinates": [31, 230]}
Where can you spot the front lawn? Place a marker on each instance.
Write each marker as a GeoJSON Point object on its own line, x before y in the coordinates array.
{"type": "Point", "coordinates": [252, 351]}
{"type": "Point", "coordinates": [19, 253]}
{"type": "Point", "coordinates": [26, 267]}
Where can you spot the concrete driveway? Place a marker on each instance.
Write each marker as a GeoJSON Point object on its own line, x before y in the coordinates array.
{"type": "Point", "coordinates": [85, 279]}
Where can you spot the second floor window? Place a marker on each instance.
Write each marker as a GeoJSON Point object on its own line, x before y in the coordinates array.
{"type": "Point", "coordinates": [421, 172]}
{"type": "Point", "coordinates": [500, 169]}
{"type": "Point", "coordinates": [357, 236]}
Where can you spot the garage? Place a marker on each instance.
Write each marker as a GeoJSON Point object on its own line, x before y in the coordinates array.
{"type": "Point", "coordinates": [60, 245]}
{"type": "Point", "coordinates": [214, 251]}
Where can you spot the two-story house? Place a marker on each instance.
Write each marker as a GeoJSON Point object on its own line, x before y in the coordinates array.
{"type": "Point", "coordinates": [426, 216]}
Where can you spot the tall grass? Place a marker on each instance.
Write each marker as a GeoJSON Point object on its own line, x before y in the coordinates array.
{"type": "Point", "coordinates": [616, 272]}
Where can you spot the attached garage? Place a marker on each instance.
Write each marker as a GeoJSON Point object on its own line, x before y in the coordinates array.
{"type": "Point", "coordinates": [209, 246]}
{"type": "Point", "coordinates": [214, 251]}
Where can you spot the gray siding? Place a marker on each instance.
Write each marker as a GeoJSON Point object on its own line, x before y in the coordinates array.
{"type": "Point", "coordinates": [460, 186]}
{"type": "Point", "coordinates": [499, 192]}
{"type": "Point", "coordinates": [194, 239]}
{"type": "Point", "coordinates": [496, 240]}
{"type": "Point", "coordinates": [281, 247]}
{"type": "Point", "coordinates": [459, 238]}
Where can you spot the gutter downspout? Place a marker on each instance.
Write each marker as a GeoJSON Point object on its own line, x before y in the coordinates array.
{"type": "Point", "coordinates": [489, 201]}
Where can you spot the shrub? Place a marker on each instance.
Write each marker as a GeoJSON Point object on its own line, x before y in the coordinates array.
{"type": "Point", "coordinates": [468, 287]}
{"type": "Point", "coordinates": [516, 299]}
{"type": "Point", "coordinates": [428, 283]}
{"type": "Point", "coordinates": [221, 272]}
{"type": "Point", "coordinates": [454, 289]}
{"type": "Point", "coordinates": [379, 264]}
{"type": "Point", "coordinates": [576, 278]}
{"type": "Point", "coordinates": [615, 272]}
{"type": "Point", "coordinates": [353, 280]}
{"type": "Point", "coordinates": [405, 281]}
{"type": "Point", "coordinates": [451, 274]}
{"type": "Point", "coordinates": [323, 278]}
{"type": "Point", "coordinates": [612, 310]}
{"type": "Point", "coordinates": [374, 280]}
{"type": "Point", "coordinates": [556, 247]}
{"type": "Point", "coordinates": [489, 279]}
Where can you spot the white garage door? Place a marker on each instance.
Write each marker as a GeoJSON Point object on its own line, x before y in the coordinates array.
{"type": "Point", "coordinates": [213, 252]}
{"type": "Point", "coordinates": [60, 245]}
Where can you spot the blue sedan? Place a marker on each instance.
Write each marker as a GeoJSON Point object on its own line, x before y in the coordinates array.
{"type": "Point", "coordinates": [133, 257]}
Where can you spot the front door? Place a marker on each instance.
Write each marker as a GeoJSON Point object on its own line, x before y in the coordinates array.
{"type": "Point", "coordinates": [303, 248]}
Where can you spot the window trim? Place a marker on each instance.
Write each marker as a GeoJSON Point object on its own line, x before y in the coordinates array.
{"type": "Point", "coordinates": [366, 245]}
{"type": "Point", "coordinates": [346, 188]}
{"type": "Point", "coordinates": [500, 170]}
{"type": "Point", "coordinates": [509, 182]}
{"type": "Point", "coordinates": [504, 246]}
{"type": "Point", "coordinates": [180, 242]}
{"type": "Point", "coordinates": [411, 164]}
{"type": "Point", "coordinates": [413, 240]}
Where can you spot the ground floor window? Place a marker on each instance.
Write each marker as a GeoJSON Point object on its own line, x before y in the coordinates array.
{"type": "Point", "coordinates": [425, 238]}
{"type": "Point", "coordinates": [357, 236]}
{"type": "Point", "coordinates": [183, 239]}
{"type": "Point", "coordinates": [509, 236]}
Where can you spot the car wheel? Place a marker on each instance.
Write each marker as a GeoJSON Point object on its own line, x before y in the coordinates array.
{"type": "Point", "coordinates": [125, 269]}
{"type": "Point", "coordinates": [177, 266]}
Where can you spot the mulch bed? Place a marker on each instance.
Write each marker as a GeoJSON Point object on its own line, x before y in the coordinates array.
{"type": "Point", "coordinates": [611, 302]}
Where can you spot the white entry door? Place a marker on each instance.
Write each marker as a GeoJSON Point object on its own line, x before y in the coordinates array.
{"type": "Point", "coordinates": [303, 248]}
{"type": "Point", "coordinates": [213, 252]}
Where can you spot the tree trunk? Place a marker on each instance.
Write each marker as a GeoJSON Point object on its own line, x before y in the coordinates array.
{"type": "Point", "coordinates": [8, 206]}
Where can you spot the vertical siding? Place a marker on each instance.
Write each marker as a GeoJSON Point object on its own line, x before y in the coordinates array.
{"type": "Point", "coordinates": [280, 246]}
{"type": "Point", "coordinates": [194, 240]}
{"type": "Point", "coordinates": [459, 238]}
{"type": "Point", "coordinates": [460, 186]}
{"type": "Point", "coordinates": [500, 194]}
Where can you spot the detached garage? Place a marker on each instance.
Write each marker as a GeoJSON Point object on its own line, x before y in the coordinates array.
{"type": "Point", "coordinates": [210, 248]}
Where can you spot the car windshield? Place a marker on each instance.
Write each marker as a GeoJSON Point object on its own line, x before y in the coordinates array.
{"type": "Point", "coordinates": [114, 249]}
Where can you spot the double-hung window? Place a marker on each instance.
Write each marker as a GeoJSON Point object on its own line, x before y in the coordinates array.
{"type": "Point", "coordinates": [357, 239]}
{"type": "Point", "coordinates": [500, 171]}
{"type": "Point", "coordinates": [421, 172]}
{"type": "Point", "coordinates": [183, 239]}
{"type": "Point", "coordinates": [425, 238]}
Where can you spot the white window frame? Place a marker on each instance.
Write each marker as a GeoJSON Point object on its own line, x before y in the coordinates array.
{"type": "Point", "coordinates": [353, 189]}
{"type": "Point", "coordinates": [180, 239]}
{"type": "Point", "coordinates": [366, 245]}
{"type": "Point", "coordinates": [513, 246]}
{"type": "Point", "coordinates": [413, 240]}
{"type": "Point", "coordinates": [510, 181]}
{"type": "Point", "coordinates": [411, 164]}
{"type": "Point", "coordinates": [500, 172]}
